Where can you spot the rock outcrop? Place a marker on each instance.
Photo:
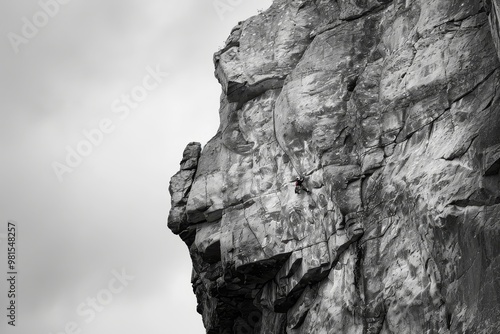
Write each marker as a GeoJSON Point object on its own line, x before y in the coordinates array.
{"type": "Point", "coordinates": [391, 112]}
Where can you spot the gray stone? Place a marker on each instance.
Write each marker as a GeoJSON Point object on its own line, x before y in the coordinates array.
{"type": "Point", "coordinates": [390, 111]}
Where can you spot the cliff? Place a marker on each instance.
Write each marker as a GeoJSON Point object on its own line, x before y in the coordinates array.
{"type": "Point", "coordinates": [391, 112]}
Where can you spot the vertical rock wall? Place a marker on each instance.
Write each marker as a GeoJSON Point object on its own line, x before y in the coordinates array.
{"type": "Point", "coordinates": [390, 111]}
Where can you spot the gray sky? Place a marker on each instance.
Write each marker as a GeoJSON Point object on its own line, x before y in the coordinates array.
{"type": "Point", "coordinates": [107, 214]}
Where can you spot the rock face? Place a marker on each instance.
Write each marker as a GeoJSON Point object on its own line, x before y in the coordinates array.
{"type": "Point", "coordinates": [391, 112]}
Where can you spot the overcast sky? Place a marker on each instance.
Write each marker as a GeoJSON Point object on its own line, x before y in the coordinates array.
{"type": "Point", "coordinates": [98, 69]}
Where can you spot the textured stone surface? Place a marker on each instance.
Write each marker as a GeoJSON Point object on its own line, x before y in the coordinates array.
{"type": "Point", "coordinates": [391, 112]}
